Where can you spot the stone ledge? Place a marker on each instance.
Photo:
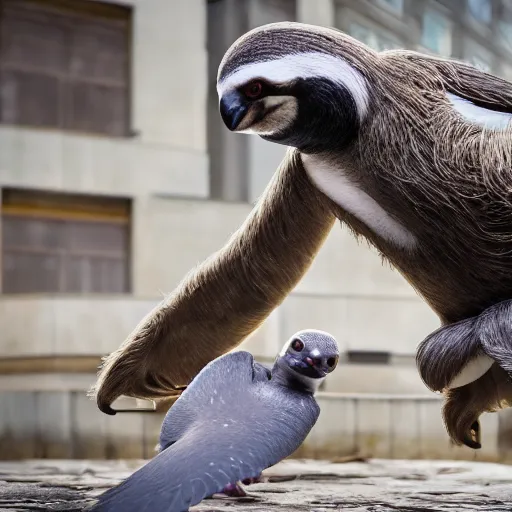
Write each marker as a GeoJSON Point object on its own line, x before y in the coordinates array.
{"type": "Point", "coordinates": [293, 486]}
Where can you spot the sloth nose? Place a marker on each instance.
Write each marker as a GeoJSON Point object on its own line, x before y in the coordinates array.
{"type": "Point", "coordinates": [232, 109]}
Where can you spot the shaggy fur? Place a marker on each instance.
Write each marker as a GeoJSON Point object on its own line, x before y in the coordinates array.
{"type": "Point", "coordinates": [443, 353]}
{"type": "Point", "coordinates": [446, 180]}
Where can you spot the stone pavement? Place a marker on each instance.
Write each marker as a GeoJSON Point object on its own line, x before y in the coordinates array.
{"type": "Point", "coordinates": [292, 486]}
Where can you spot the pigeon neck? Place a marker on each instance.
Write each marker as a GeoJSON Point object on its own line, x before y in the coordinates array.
{"type": "Point", "coordinates": [283, 375]}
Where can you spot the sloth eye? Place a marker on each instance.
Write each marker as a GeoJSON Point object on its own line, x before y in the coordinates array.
{"type": "Point", "coordinates": [297, 345]}
{"type": "Point", "coordinates": [253, 90]}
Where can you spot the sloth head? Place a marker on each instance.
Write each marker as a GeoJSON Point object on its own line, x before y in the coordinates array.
{"type": "Point", "coordinates": [295, 85]}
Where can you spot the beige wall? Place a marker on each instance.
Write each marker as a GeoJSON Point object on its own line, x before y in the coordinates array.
{"type": "Point", "coordinates": [391, 427]}
{"type": "Point", "coordinates": [53, 160]}
{"type": "Point", "coordinates": [320, 12]}
{"type": "Point", "coordinates": [165, 169]}
{"type": "Point", "coordinates": [169, 113]}
{"type": "Point", "coordinates": [347, 290]}
{"type": "Point", "coordinates": [170, 73]}
{"type": "Point", "coordinates": [62, 424]}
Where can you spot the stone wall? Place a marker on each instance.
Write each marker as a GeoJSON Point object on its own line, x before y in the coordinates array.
{"type": "Point", "coordinates": [56, 424]}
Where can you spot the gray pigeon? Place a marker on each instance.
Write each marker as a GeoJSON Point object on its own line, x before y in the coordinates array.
{"type": "Point", "coordinates": [236, 419]}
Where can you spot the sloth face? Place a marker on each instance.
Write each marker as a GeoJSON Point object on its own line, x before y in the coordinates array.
{"type": "Point", "coordinates": [312, 101]}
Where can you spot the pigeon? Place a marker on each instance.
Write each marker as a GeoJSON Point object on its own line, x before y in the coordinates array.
{"type": "Point", "coordinates": [236, 419]}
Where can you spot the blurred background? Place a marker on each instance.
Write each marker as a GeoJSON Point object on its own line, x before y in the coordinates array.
{"type": "Point", "coordinates": [117, 176]}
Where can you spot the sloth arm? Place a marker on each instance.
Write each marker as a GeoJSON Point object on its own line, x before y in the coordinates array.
{"type": "Point", "coordinates": [225, 298]}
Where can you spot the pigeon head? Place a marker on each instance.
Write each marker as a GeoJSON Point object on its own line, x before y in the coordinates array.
{"type": "Point", "coordinates": [307, 358]}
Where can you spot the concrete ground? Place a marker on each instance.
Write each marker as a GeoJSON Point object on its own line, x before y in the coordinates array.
{"type": "Point", "coordinates": [292, 486]}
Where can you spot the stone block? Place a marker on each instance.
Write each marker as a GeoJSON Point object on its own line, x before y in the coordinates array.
{"type": "Point", "coordinates": [334, 434]}
{"type": "Point", "coordinates": [173, 236]}
{"type": "Point", "coordinates": [54, 421]}
{"type": "Point", "coordinates": [152, 424]}
{"type": "Point", "coordinates": [95, 165]}
{"type": "Point", "coordinates": [89, 424]}
{"type": "Point", "coordinates": [320, 12]}
{"type": "Point", "coordinates": [125, 435]}
{"type": "Point", "coordinates": [434, 440]}
{"type": "Point", "coordinates": [346, 267]}
{"type": "Point", "coordinates": [28, 326]}
{"type": "Point", "coordinates": [315, 312]}
{"type": "Point", "coordinates": [369, 378]}
{"type": "Point", "coordinates": [170, 37]}
{"type": "Point", "coordinates": [18, 425]}
{"type": "Point", "coordinates": [405, 429]}
{"type": "Point", "coordinates": [362, 323]}
{"type": "Point", "coordinates": [396, 325]}
{"type": "Point", "coordinates": [374, 427]}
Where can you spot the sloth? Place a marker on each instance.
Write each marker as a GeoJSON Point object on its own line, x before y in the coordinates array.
{"type": "Point", "coordinates": [413, 153]}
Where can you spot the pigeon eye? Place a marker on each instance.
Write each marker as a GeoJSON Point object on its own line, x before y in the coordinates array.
{"type": "Point", "coordinates": [253, 90]}
{"type": "Point", "coordinates": [332, 362]}
{"type": "Point", "coordinates": [297, 345]}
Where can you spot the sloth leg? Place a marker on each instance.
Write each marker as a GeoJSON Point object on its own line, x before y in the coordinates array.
{"type": "Point", "coordinates": [471, 362]}
{"type": "Point", "coordinates": [464, 405]}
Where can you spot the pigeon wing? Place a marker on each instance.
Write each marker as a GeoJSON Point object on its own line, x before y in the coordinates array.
{"type": "Point", "coordinates": [239, 368]}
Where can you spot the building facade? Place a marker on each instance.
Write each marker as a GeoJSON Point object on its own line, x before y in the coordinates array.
{"type": "Point", "coordinates": [117, 177]}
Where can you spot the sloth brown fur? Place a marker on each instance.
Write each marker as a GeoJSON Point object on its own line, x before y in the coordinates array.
{"type": "Point", "coordinates": [227, 297]}
{"type": "Point", "coordinates": [446, 180]}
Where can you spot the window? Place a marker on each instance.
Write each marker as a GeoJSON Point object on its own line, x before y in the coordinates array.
{"type": "Point", "coordinates": [377, 41]}
{"type": "Point", "coordinates": [397, 6]}
{"type": "Point", "coordinates": [505, 26]}
{"type": "Point", "coordinates": [367, 357]}
{"type": "Point", "coordinates": [505, 31]}
{"type": "Point", "coordinates": [271, 11]}
{"type": "Point", "coordinates": [64, 243]}
{"type": "Point", "coordinates": [65, 65]}
{"type": "Point", "coordinates": [480, 10]}
{"type": "Point", "coordinates": [436, 33]}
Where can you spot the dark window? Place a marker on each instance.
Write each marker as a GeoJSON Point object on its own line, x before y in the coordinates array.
{"type": "Point", "coordinates": [367, 357]}
{"type": "Point", "coordinates": [480, 10]}
{"type": "Point", "coordinates": [64, 243]}
{"type": "Point", "coordinates": [228, 20]}
{"type": "Point", "coordinates": [65, 64]}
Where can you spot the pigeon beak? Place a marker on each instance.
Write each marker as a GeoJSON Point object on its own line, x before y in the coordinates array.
{"type": "Point", "coordinates": [233, 108]}
{"type": "Point", "coordinates": [317, 364]}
